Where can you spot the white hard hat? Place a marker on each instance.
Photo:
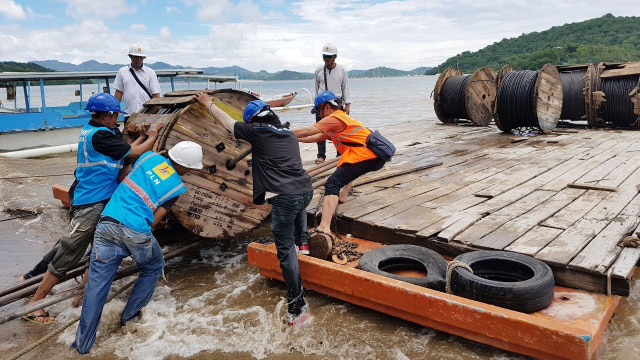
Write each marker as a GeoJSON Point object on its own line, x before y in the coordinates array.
{"type": "Point", "coordinates": [187, 154]}
{"type": "Point", "coordinates": [329, 49]}
{"type": "Point", "coordinates": [136, 50]}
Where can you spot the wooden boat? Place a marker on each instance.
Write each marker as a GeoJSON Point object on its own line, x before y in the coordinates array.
{"type": "Point", "coordinates": [276, 101]}
{"type": "Point", "coordinates": [27, 124]}
{"type": "Point", "coordinates": [570, 328]}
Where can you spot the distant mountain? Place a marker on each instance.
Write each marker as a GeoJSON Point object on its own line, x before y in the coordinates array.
{"type": "Point", "coordinates": [242, 73]}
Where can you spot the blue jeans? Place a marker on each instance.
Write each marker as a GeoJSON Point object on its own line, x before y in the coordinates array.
{"type": "Point", "coordinates": [112, 243]}
{"type": "Point", "coordinates": [289, 222]}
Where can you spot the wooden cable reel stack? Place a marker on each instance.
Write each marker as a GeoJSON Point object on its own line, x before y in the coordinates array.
{"type": "Point", "coordinates": [219, 198]}
{"type": "Point", "coordinates": [473, 99]}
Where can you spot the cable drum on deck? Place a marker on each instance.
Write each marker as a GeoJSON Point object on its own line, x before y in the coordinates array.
{"type": "Point", "coordinates": [453, 94]}
{"type": "Point", "coordinates": [617, 110]}
{"type": "Point", "coordinates": [529, 99]}
{"type": "Point", "coordinates": [573, 99]}
{"type": "Point", "coordinates": [468, 97]}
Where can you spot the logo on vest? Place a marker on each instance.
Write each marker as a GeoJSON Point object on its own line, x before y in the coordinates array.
{"type": "Point", "coordinates": [163, 171]}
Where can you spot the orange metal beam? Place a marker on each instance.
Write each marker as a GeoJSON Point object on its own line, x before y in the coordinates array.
{"type": "Point", "coordinates": [570, 328]}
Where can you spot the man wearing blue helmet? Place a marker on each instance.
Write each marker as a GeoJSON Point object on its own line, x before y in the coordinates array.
{"type": "Point", "coordinates": [349, 136]}
{"type": "Point", "coordinates": [101, 165]}
{"type": "Point", "coordinates": [280, 179]}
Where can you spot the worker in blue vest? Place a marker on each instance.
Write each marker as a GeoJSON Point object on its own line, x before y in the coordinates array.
{"type": "Point", "coordinates": [141, 200]}
{"type": "Point", "coordinates": [101, 165]}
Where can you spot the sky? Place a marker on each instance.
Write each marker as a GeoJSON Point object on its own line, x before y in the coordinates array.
{"type": "Point", "coordinates": [275, 35]}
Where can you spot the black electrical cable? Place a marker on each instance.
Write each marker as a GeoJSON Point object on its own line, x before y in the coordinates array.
{"type": "Point", "coordinates": [516, 104]}
{"type": "Point", "coordinates": [573, 101]}
{"type": "Point", "coordinates": [452, 97]}
{"type": "Point", "coordinates": [617, 110]}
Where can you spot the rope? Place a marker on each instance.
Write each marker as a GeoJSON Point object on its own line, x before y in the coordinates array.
{"type": "Point", "coordinates": [65, 326]}
{"type": "Point", "coordinates": [452, 265]}
{"type": "Point", "coordinates": [453, 95]}
{"type": "Point", "coordinates": [516, 103]}
{"type": "Point", "coordinates": [617, 110]}
{"type": "Point", "coordinates": [573, 101]}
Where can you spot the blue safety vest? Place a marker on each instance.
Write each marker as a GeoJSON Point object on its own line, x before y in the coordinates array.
{"type": "Point", "coordinates": [97, 174]}
{"type": "Point", "coordinates": [150, 183]}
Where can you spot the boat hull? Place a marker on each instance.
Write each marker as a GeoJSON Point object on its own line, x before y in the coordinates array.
{"type": "Point", "coordinates": [570, 328]}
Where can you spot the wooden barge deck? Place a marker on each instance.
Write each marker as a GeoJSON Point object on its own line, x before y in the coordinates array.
{"type": "Point", "coordinates": [566, 197]}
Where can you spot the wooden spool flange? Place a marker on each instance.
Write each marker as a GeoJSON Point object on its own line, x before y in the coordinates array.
{"type": "Point", "coordinates": [480, 96]}
{"type": "Point", "coordinates": [548, 97]}
{"type": "Point", "coordinates": [437, 102]}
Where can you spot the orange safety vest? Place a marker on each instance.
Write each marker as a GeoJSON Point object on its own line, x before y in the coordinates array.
{"type": "Point", "coordinates": [355, 132]}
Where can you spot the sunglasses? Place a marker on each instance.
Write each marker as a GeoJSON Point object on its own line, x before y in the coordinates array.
{"type": "Point", "coordinates": [327, 56]}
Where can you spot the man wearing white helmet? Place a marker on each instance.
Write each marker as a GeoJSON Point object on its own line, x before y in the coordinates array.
{"type": "Point", "coordinates": [334, 78]}
{"type": "Point", "coordinates": [136, 83]}
{"type": "Point", "coordinates": [139, 202]}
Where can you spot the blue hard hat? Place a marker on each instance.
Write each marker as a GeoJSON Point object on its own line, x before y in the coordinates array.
{"type": "Point", "coordinates": [103, 102]}
{"type": "Point", "coordinates": [252, 109]}
{"type": "Point", "coordinates": [322, 98]}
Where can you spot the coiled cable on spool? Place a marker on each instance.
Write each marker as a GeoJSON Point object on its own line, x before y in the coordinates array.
{"type": "Point", "coordinates": [573, 100]}
{"type": "Point", "coordinates": [617, 110]}
{"type": "Point", "coordinates": [516, 103]}
{"type": "Point", "coordinates": [453, 95]}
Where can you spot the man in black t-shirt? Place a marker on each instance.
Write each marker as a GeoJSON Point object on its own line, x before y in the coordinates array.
{"type": "Point", "coordinates": [280, 179]}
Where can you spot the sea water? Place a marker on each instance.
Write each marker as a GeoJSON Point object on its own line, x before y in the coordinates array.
{"type": "Point", "coordinates": [211, 304]}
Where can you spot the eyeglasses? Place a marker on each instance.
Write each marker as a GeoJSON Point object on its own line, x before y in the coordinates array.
{"type": "Point", "coordinates": [327, 56]}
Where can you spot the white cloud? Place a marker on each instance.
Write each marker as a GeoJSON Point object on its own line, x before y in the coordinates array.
{"type": "Point", "coordinates": [11, 10]}
{"type": "Point", "coordinates": [138, 27]}
{"type": "Point", "coordinates": [87, 9]}
{"type": "Point", "coordinates": [165, 33]}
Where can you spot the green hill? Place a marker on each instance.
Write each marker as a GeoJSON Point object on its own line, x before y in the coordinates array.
{"type": "Point", "coordinates": [605, 39]}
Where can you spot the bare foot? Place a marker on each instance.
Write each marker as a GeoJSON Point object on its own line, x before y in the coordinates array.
{"type": "Point", "coordinates": [21, 279]}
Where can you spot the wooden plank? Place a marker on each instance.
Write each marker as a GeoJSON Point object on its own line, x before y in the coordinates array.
{"type": "Point", "coordinates": [598, 255]}
{"type": "Point", "coordinates": [491, 222]}
{"type": "Point", "coordinates": [626, 263]}
{"type": "Point", "coordinates": [533, 240]}
{"type": "Point", "coordinates": [504, 235]}
{"type": "Point", "coordinates": [566, 246]}
{"type": "Point", "coordinates": [592, 187]}
{"type": "Point", "coordinates": [566, 217]}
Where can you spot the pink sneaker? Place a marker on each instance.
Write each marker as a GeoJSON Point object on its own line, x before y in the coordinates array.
{"type": "Point", "coordinates": [303, 249]}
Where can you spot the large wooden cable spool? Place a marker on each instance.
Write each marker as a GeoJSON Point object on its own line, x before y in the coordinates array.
{"type": "Point", "coordinates": [219, 201]}
{"type": "Point", "coordinates": [574, 82]}
{"type": "Point", "coordinates": [616, 100]}
{"type": "Point", "coordinates": [468, 97]}
{"type": "Point", "coordinates": [437, 100]}
{"type": "Point", "coordinates": [529, 99]}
